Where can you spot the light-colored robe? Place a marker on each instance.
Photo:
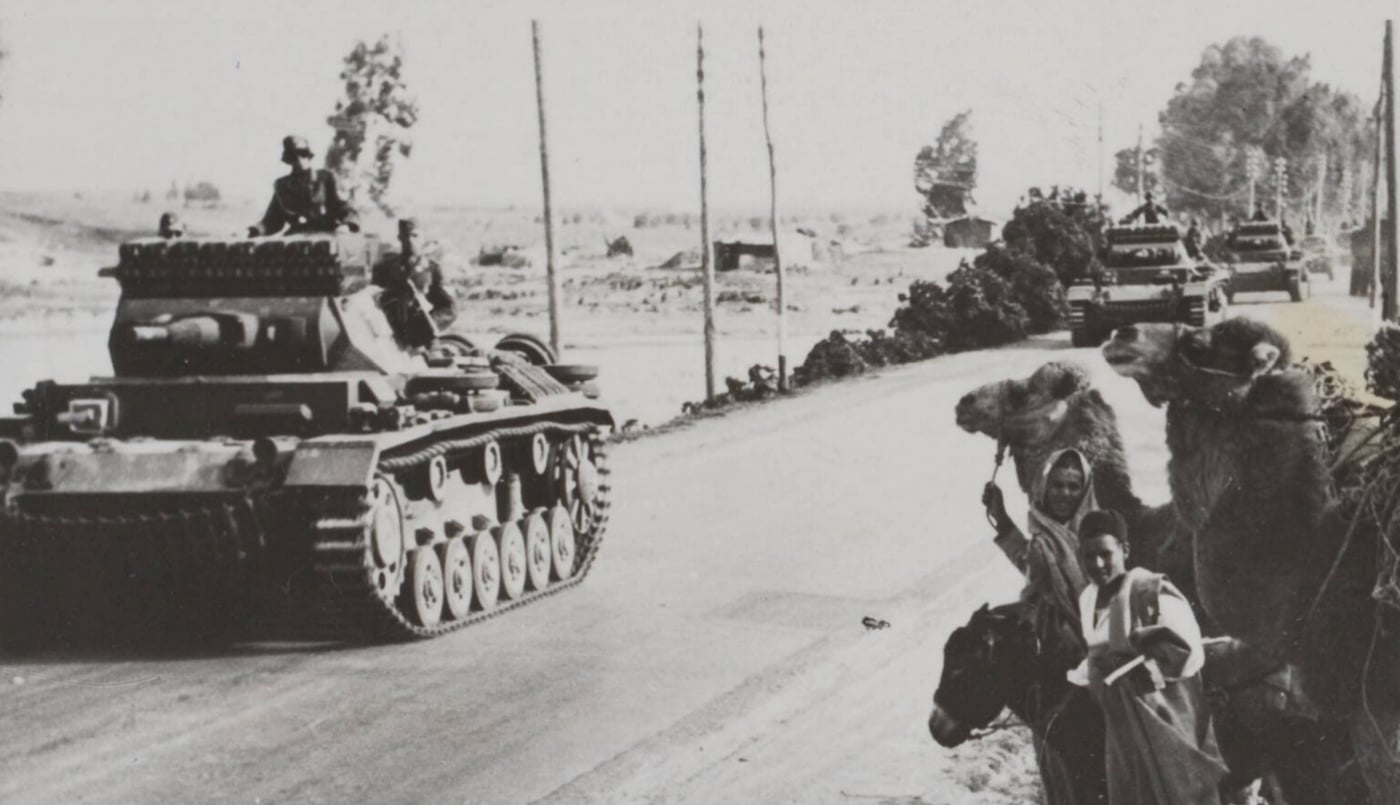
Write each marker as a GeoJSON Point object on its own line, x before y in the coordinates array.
{"type": "Point", "coordinates": [1161, 749]}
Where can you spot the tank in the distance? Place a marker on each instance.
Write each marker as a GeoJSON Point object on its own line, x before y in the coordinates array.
{"type": "Point", "coordinates": [266, 436]}
{"type": "Point", "coordinates": [1147, 276]}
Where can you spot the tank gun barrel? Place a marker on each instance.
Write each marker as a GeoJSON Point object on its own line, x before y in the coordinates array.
{"type": "Point", "coordinates": [197, 331]}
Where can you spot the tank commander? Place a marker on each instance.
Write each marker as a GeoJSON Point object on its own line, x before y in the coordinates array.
{"type": "Point", "coordinates": [1150, 211]}
{"type": "Point", "coordinates": [170, 226]}
{"type": "Point", "coordinates": [415, 300]}
{"type": "Point", "coordinates": [1259, 214]}
{"type": "Point", "coordinates": [306, 199]}
{"type": "Point", "coordinates": [1193, 241]}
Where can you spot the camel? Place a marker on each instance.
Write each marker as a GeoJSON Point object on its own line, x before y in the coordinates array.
{"type": "Point", "coordinates": [1278, 563]}
{"type": "Point", "coordinates": [1057, 408]}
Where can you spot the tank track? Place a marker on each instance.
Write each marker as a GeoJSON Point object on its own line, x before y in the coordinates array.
{"type": "Point", "coordinates": [343, 566]}
{"type": "Point", "coordinates": [190, 567]}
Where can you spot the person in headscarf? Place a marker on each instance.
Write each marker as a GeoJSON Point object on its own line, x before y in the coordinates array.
{"type": "Point", "coordinates": [1143, 668]}
{"type": "Point", "coordinates": [1049, 558]}
{"type": "Point", "coordinates": [1060, 497]}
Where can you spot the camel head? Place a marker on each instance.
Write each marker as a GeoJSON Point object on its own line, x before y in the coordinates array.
{"type": "Point", "coordinates": [1175, 362]}
{"type": "Point", "coordinates": [1018, 410]}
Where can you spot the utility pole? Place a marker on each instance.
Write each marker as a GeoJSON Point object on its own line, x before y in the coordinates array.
{"type": "Point", "coordinates": [773, 218]}
{"type": "Point", "coordinates": [1251, 167]}
{"type": "Point", "coordinates": [1319, 199]}
{"type": "Point", "coordinates": [553, 278]}
{"type": "Point", "coordinates": [1100, 196]}
{"type": "Point", "coordinates": [706, 269]}
{"type": "Point", "coordinates": [1280, 176]}
{"type": "Point", "coordinates": [1389, 272]}
{"type": "Point", "coordinates": [1140, 187]}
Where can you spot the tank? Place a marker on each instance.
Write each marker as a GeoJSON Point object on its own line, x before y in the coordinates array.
{"type": "Point", "coordinates": [267, 443]}
{"type": "Point", "coordinates": [1260, 258]}
{"type": "Point", "coordinates": [1147, 277]}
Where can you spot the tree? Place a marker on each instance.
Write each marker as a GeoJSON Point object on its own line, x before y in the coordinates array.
{"type": "Point", "coordinates": [1247, 94]}
{"type": "Point", "coordinates": [1125, 170]}
{"type": "Point", "coordinates": [372, 122]}
{"type": "Point", "coordinates": [945, 174]}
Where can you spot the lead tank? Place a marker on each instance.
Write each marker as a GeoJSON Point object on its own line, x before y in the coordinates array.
{"type": "Point", "coordinates": [265, 435]}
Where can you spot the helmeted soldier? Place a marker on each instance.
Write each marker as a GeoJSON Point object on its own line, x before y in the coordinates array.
{"type": "Point", "coordinates": [170, 226]}
{"type": "Point", "coordinates": [1193, 241]}
{"type": "Point", "coordinates": [411, 283]}
{"type": "Point", "coordinates": [306, 199]}
{"type": "Point", "coordinates": [1150, 211]}
{"type": "Point", "coordinates": [1259, 214]}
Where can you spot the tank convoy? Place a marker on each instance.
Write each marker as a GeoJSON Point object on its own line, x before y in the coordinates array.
{"type": "Point", "coordinates": [1261, 258]}
{"type": "Point", "coordinates": [265, 430]}
{"type": "Point", "coordinates": [1146, 277]}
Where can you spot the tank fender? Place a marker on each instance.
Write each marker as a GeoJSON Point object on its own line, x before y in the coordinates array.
{"type": "Point", "coordinates": [333, 461]}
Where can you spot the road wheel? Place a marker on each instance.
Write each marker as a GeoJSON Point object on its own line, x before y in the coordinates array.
{"type": "Point", "coordinates": [426, 587]}
{"type": "Point", "coordinates": [538, 552]}
{"type": "Point", "coordinates": [486, 570]}
{"type": "Point", "coordinates": [510, 545]}
{"type": "Point", "coordinates": [561, 542]}
{"type": "Point", "coordinates": [457, 579]}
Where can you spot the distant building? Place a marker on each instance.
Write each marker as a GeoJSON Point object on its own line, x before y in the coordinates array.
{"type": "Point", "coordinates": [969, 232]}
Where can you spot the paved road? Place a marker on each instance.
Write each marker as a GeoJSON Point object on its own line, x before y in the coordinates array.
{"type": "Point", "coordinates": [716, 653]}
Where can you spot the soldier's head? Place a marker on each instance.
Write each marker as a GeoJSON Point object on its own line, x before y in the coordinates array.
{"type": "Point", "coordinates": [408, 236]}
{"type": "Point", "coordinates": [171, 226]}
{"type": "Point", "coordinates": [1148, 196]}
{"type": "Point", "coordinates": [296, 151]}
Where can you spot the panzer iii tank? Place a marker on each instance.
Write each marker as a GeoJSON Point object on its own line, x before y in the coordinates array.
{"type": "Point", "coordinates": [1260, 258]}
{"type": "Point", "coordinates": [1147, 277]}
{"type": "Point", "coordinates": [264, 430]}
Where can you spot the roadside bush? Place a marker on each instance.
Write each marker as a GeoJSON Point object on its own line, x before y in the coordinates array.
{"type": "Point", "coordinates": [1034, 286]}
{"type": "Point", "coordinates": [1060, 231]}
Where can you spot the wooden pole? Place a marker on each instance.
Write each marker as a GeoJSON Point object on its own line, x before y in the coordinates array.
{"type": "Point", "coordinates": [1373, 284]}
{"type": "Point", "coordinates": [554, 340]}
{"type": "Point", "coordinates": [1140, 187]}
{"type": "Point", "coordinates": [773, 218]}
{"type": "Point", "coordinates": [706, 269]}
{"type": "Point", "coordinates": [1100, 196]}
{"type": "Point", "coordinates": [1388, 273]}
{"type": "Point", "coordinates": [1321, 193]}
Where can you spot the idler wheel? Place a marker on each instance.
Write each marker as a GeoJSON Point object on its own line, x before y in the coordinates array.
{"type": "Point", "coordinates": [538, 551]}
{"type": "Point", "coordinates": [387, 522]}
{"type": "Point", "coordinates": [510, 544]}
{"type": "Point", "coordinates": [539, 453]}
{"type": "Point", "coordinates": [426, 587]}
{"type": "Point", "coordinates": [486, 570]}
{"type": "Point", "coordinates": [561, 542]}
{"type": "Point", "coordinates": [457, 579]}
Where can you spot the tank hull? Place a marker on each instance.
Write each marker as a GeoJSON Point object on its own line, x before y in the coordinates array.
{"type": "Point", "coordinates": [206, 537]}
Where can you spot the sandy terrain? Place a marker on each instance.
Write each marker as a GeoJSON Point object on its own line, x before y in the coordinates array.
{"type": "Point", "coordinates": [641, 322]}
{"type": "Point", "coordinates": [715, 655]}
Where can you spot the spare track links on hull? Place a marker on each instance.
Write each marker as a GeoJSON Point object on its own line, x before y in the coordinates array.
{"type": "Point", "coordinates": [349, 582]}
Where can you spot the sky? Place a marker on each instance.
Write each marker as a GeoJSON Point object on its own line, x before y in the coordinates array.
{"type": "Point", "coordinates": [100, 95]}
